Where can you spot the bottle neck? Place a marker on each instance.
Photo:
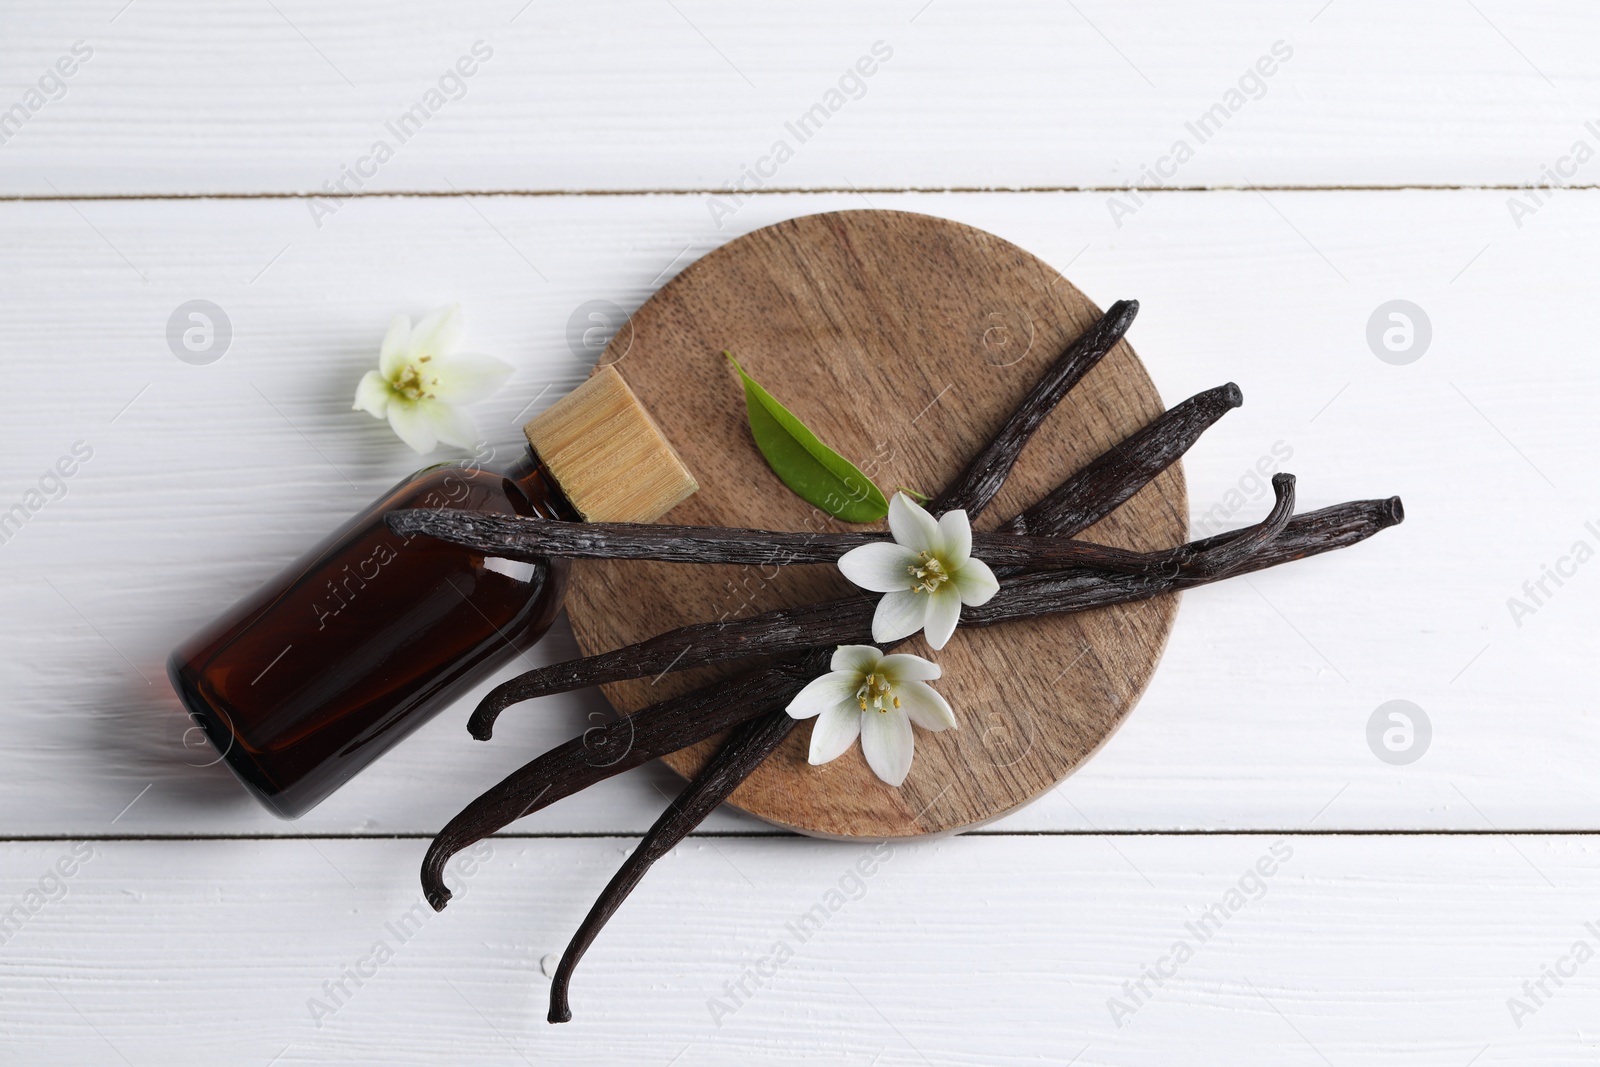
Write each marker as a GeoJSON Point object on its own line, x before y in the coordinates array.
{"type": "Point", "coordinates": [542, 490]}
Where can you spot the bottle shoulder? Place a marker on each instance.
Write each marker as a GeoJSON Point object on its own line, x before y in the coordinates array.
{"type": "Point", "coordinates": [521, 486]}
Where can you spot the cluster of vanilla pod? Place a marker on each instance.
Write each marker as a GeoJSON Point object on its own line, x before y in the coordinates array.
{"type": "Point", "coordinates": [1042, 571]}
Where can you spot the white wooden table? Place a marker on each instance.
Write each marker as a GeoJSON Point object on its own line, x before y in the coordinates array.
{"type": "Point", "coordinates": [1431, 912]}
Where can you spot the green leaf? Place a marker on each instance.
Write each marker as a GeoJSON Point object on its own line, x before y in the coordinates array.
{"type": "Point", "coordinates": [814, 471]}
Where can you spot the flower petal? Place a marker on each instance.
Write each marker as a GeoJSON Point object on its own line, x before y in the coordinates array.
{"type": "Point", "coordinates": [926, 707]}
{"type": "Point", "coordinates": [372, 395]}
{"type": "Point", "coordinates": [862, 659]}
{"type": "Point", "coordinates": [412, 427]}
{"type": "Point", "coordinates": [944, 611]}
{"type": "Point", "coordinates": [956, 530]}
{"type": "Point", "coordinates": [975, 582]}
{"type": "Point", "coordinates": [823, 692]}
{"type": "Point", "coordinates": [900, 614]}
{"type": "Point", "coordinates": [451, 426]}
{"type": "Point", "coordinates": [881, 566]}
{"type": "Point", "coordinates": [904, 667]}
{"type": "Point", "coordinates": [834, 732]}
{"type": "Point", "coordinates": [912, 526]}
{"type": "Point", "coordinates": [887, 743]}
{"type": "Point", "coordinates": [396, 346]}
{"type": "Point", "coordinates": [466, 378]}
{"type": "Point", "coordinates": [438, 333]}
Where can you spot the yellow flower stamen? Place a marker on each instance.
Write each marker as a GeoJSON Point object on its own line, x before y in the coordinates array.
{"type": "Point", "coordinates": [929, 573]}
{"type": "Point", "coordinates": [410, 383]}
{"type": "Point", "coordinates": [874, 687]}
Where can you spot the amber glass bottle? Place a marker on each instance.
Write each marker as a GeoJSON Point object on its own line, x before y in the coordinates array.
{"type": "Point", "coordinates": [361, 640]}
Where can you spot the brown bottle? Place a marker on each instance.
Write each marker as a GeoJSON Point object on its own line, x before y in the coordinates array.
{"type": "Point", "coordinates": [364, 638]}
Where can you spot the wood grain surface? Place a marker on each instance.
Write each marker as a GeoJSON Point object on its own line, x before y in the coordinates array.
{"type": "Point", "coordinates": [693, 95]}
{"type": "Point", "coordinates": [984, 951]}
{"type": "Point", "coordinates": [903, 340]}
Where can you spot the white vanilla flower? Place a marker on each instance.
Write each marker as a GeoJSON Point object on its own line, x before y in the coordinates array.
{"type": "Point", "coordinates": [877, 697]}
{"type": "Point", "coordinates": [421, 379]}
{"type": "Point", "coordinates": [927, 571]}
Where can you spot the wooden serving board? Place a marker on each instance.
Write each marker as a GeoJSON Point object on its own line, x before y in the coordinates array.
{"type": "Point", "coordinates": [903, 341]}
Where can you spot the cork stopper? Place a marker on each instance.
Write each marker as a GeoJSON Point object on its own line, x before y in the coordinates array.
{"type": "Point", "coordinates": [608, 455]}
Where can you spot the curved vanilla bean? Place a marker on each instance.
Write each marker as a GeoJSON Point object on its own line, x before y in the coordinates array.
{"type": "Point", "coordinates": [828, 622]}
{"type": "Point", "coordinates": [534, 540]}
{"type": "Point", "coordinates": [1101, 487]}
{"type": "Point", "coordinates": [1316, 532]}
{"type": "Point", "coordinates": [1224, 557]}
{"type": "Point", "coordinates": [977, 485]}
{"type": "Point", "coordinates": [1081, 500]}
{"type": "Point", "coordinates": [609, 750]}
{"type": "Point", "coordinates": [1052, 593]}
{"type": "Point", "coordinates": [744, 750]}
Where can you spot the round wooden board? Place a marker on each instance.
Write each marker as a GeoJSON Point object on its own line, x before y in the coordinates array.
{"type": "Point", "coordinates": [903, 340]}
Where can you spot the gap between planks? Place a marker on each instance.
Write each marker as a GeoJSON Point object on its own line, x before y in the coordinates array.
{"type": "Point", "coordinates": [585, 835]}
{"type": "Point", "coordinates": [824, 190]}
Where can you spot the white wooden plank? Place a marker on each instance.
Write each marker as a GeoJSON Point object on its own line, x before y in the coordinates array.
{"type": "Point", "coordinates": [642, 95]}
{"type": "Point", "coordinates": [205, 479]}
{"type": "Point", "coordinates": [992, 951]}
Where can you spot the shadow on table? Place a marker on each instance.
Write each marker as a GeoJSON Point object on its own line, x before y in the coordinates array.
{"type": "Point", "coordinates": [147, 734]}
